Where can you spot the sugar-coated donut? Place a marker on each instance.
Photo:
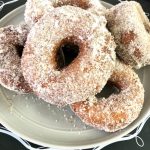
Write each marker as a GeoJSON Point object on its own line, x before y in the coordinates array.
{"type": "Point", "coordinates": [12, 40]}
{"type": "Point", "coordinates": [87, 39]}
{"type": "Point", "coordinates": [118, 110]}
{"type": "Point", "coordinates": [35, 9]}
{"type": "Point", "coordinates": [131, 29]}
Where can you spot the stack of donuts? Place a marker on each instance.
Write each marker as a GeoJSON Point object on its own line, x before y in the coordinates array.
{"type": "Point", "coordinates": [67, 51]}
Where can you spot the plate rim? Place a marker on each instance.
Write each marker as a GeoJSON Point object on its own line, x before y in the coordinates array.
{"type": "Point", "coordinates": [9, 15]}
{"type": "Point", "coordinates": [107, 142]}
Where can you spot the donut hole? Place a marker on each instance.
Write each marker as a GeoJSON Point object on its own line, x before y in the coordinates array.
{"type": "Point", "coordinates": [19, 50]}
{"type": "Point", "coordinates": [77, 3]}
{"type": "Point", "coordinates": [66, 53]}
{"type": "Point", "coordinates": [109, 89]}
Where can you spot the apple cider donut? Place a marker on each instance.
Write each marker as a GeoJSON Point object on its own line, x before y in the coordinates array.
{"type": "Point", "coordinates": [118, 110]}
{"type": "Point", "coordinates": [69, 55]}
{"type": "Point", "coordinates": [131, 29]}
{"type": "Point", "coordinates": [35, 9]}
{"type": "Point", "coordinates": [12, 40]}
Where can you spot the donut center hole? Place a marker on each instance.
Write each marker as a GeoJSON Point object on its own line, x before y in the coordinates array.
{"type": "Point", "coordinates": [77, 3]}
{"type": "Point", "coordinates": [109, 89]}
{"type": "Point", "coordinates": [19, 49]}
{"type": "Point", "coordinates": [66, 53]}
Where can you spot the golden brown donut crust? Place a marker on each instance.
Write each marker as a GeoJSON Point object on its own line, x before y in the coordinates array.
{"type": "Point", "coordinates": [118, 110]}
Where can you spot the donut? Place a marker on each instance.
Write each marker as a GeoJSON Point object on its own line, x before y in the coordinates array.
{"type": "Point", "coordinates": [35, 9]}
{"type": "Point", "coordinates": [12, 40]}
{"type": "Point", "coordinates": [67, 53]}
{"type": "Point", "coordinates": [119, 109]}
{"type": "Point", "coordinates": [131, 29]}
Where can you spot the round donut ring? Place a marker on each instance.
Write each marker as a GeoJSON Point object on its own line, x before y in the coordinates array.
{"type": "Point", "coordinates": [118, 110]}
{"type": "Point", "coordinates": [12, 40]}
{"type": "Point", "coordinates": [35, 9]}
{"type": "Point", "coordinates": [95, 59]}
{"type": "Point", "coordinates": [131, 29]}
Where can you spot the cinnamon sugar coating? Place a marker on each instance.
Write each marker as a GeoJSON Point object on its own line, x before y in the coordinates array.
{"type": "Point", "coordinates": [87, 73]}
{"type": "Point", "coordinates": [12, 40]}
{"type": "Point", "coordinates": [35, 9]}
{"type": "Point", "coordinates": [118, 110]}
{"type": "Point", "coordinates": [131, 29]}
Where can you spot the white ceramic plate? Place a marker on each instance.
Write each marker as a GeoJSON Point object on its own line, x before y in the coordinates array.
{"type": "Point", "coordinates": [47, 125]}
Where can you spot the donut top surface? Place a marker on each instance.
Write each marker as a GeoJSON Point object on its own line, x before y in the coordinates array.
{"type": "Point", "coordinates": [94, 62]}
{"type": "Point", "coordinates": [12, 35]}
